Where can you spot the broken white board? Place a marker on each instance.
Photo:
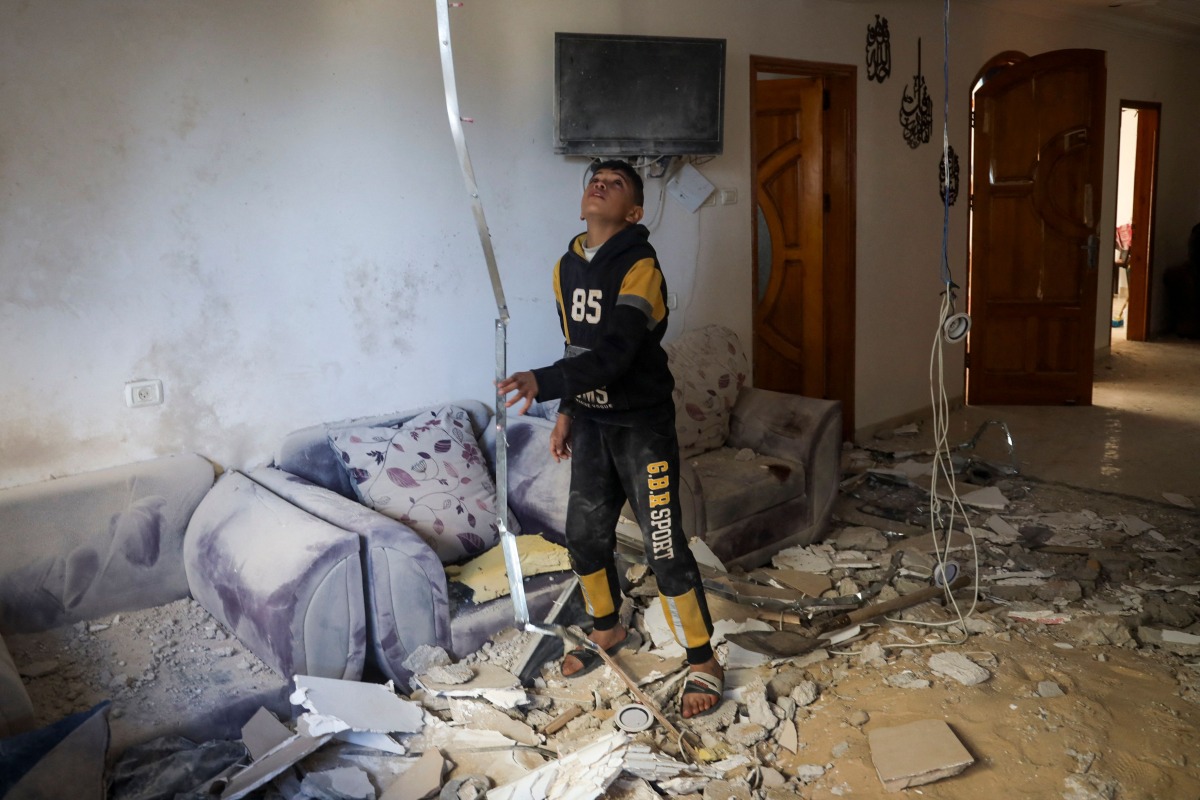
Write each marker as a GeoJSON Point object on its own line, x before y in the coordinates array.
{"type": "Point", "coordinates": [1001, 531]}
{"type": "Point", "coordinates": [422, 779]}
{"type": "Point", "coordinates": [811, 558]}
{"type": "Point", "coordinates": [917, 753]}
{"type": "Point", "coordinates": [263, 733]}
{"type": "Point", "coordinates": [494, 684]}
{"type": "Point", "coordinates": [990, 498]}
{"type": "Point", "coordinates": [271, 764]}
{"type": "Point", "coordinates": [704, 555]}
{"type": "Point", "coordinates": [582, 775]}
{"type": "Point", "coordinates": [1178, 499]}
{"type": "Point", "coordinates": [738, 657]}
{"type": "Point", "coordinates": [360, 706]}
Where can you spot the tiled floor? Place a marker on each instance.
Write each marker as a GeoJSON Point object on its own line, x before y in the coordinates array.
{"type": "Point", "coordinates": [1140, 437]}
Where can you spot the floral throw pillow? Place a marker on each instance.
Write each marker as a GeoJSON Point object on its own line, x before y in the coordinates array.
{"type": "Point", "coordinates": [428, 473]}
{"type": "Point", "coordinates": [709, 369]}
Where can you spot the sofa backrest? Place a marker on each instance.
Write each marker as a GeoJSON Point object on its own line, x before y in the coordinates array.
{"type": "Point", "coordinates": [710, 369]}
{"type": "Point", "coordinates": [307, 453]}
{"type": "Point", "coordinates": [83, 546]}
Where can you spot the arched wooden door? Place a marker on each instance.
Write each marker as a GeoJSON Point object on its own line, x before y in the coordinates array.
{"type": "Point", "coordinates": [1037, 169]}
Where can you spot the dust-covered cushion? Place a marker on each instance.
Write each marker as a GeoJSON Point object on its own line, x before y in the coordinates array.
{"type": "Point", "coordinates": [710, 368]}
{"type": "Point", "coordinates": [428, 473]}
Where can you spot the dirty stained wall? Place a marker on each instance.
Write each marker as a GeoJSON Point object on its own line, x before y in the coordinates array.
{"type": "Point", "coordinates": [258, 203]}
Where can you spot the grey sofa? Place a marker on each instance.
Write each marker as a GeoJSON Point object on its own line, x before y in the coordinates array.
{"type": "Point", "coordinates": [142, 535]}
{"type": "Point", "coordinates": [409, 601]}
{"type": "Point", "coordinates": [760, 469]}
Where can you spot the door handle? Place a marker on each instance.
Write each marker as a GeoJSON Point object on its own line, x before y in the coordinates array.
{"type": "Point", "coordinates": [1093, 251]}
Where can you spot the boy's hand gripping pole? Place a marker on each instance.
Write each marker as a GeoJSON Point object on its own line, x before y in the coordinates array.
{"type": "Point", "coordinates": [508, 541]}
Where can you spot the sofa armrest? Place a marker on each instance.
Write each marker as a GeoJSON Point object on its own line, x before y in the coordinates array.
{"type": "Point", "coordinates": [407, 601]}
{"type": "Point", "coordinates": [80, 547]}
{"type": "Point", "coordinates": [803, 429]}
{"type": "Point", "coordinates": [16, 709]}
{"type": "Point", "coordinates": [782, 425]}
{"type": "Point", "coordinates": [287, 584]}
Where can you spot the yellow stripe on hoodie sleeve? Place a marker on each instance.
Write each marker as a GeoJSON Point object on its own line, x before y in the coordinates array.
{"type": "Point", "coordinates": [558, 298]}
{"type": "Point", "coordinates": [642, 288]}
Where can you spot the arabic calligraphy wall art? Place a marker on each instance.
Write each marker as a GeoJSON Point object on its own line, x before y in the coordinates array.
{"type": "Point", "coordinates": [879, 50]}
{"type": "Point", "coordinates": [916, 109]}
{"type": "Point", "coordinates": [948, 178]}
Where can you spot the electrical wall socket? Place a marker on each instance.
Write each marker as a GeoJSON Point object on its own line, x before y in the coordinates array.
{"type": "Point", "coordinates": [672, 300]}
{"type": "Point", "coordinates": [143, 393]}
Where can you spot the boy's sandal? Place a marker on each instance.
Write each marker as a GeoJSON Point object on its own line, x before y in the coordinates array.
{"type": "Point", "coordinates": [591, 659]}
{"type": "Point", "coordinates": [705, 684]}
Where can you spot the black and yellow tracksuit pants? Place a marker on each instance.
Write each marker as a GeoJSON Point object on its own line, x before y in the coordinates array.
{"type": "Point", "coordinates": [610, 463]}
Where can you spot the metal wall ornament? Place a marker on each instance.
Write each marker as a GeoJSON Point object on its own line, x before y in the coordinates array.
{"type": "Point", "coordinates": [879, 50]}
{"type": "Point", "coordinates": [948, 179]}
{"type": "Point", "coordinates": [916, 109]}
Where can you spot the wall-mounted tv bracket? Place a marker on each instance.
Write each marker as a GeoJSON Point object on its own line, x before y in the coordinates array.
{"type": "Point", "coordinates": [879, 50]}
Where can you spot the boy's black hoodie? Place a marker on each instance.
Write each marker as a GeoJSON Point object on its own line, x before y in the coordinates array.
{"type": "Point", "coordinates": [613, 311]}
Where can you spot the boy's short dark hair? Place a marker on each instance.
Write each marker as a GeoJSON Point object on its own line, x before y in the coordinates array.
{"type": "Point", "coordinates": [626, 169]}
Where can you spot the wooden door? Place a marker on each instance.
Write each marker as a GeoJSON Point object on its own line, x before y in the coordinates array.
{"type": "Point", "coordinates": [1145, 177]}
{"type": "Point", "coordinates": [789, 318]}
{"type": "Point", "coordinates": [1037, 165]}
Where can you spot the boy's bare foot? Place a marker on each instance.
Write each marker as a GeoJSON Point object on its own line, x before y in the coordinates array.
{"type": "Point", "coordinates": [694, 703]}
{"type": "Point", "coordinates": [697, 701]}
{"type": "Point", "coordinates": [606, 639]}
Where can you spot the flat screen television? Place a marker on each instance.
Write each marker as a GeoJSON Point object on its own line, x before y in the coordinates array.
{"type": "Point", "coordinates": [617, 95]}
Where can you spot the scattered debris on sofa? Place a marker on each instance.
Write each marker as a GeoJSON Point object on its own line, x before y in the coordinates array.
{"type": "Point", "coordinates": [1085, 635]}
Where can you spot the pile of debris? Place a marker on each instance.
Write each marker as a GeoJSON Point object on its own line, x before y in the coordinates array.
{"type": "Point", "coordinates": [881, 594]}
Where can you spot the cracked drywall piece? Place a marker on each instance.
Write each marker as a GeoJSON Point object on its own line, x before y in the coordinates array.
{"type": "Point", "coordinates": [423, 779]}
{"type": "Point", "coordinates": [495, 684]}
{"type": "Point", "coordinates": [271, 764]}
{"type": "Point", "coordinates": [487, 575]}
{"type": "Point", "coordinates": [736, 655]}
{"type": "Point", "coordinates": [646, 668]}
{"type": "Point", "coordinates": [787, 737]}
{"type": "Point", "coordinates": [361, 706]}
{"type": "Point", "coordinates": [1134, 526]}
{"type": "Point", "coordinates": [263, 733]}
{"type": "Point", "coordinates": [1001, 531]}
{"type": "Point", "coordinates": [659, 630]}
{"type": "Point", "coordinates": [805, 558]}
{"type": "Point", "coordinates": [704, 555]}
{"type": "Point", "coordinates": [917, 753]}
{"type": "Point", "coordinates": [338, 783]}
{"type": "Point", "coordinates": [650, 764]}
{"type": "Point", "coordinates": [482, 716]}
{"type": "Point", "coordinates": [378, 741]}
{"type": "Point", "coordinates": [582, 775]}
{"type": "Point", "coordinates": [1177, 499]}
{"type": "Point", "coordinates": [989, 498]}
{"type": "Point", "coordinates": [809, 584]}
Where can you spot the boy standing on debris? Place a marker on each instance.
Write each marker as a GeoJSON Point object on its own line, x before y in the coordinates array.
{"type": "Point", "coordinates": [616, 423]}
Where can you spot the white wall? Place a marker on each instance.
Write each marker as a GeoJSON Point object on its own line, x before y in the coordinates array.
{"type": "Point", "coordinates": [258, 202]}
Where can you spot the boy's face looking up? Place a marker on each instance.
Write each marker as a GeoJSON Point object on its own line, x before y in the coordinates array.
{"type": "Point", "coordinates": [611, 199]}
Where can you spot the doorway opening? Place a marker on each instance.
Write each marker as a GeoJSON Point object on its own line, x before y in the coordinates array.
{"type": "Point", "coordinates": [802, 134]}
{"type": "Point", "coordinates": [1133, 240]}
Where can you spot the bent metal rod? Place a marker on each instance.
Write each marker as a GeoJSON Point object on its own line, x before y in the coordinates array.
{"type": "Point", "coordinates": [508, 540]}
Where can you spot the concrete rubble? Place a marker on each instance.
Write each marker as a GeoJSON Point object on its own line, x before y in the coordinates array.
{"type": "Point", "coordinates": [1068, 578]}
